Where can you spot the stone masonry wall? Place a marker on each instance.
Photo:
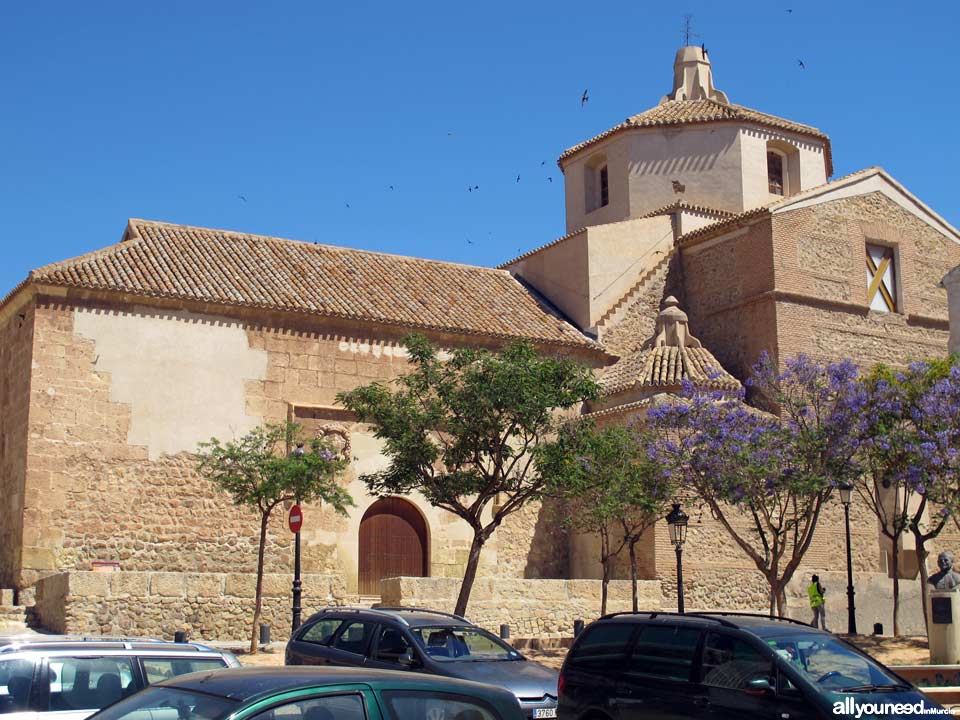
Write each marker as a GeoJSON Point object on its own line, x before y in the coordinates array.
{"type": "Point", "coordinates": [211, 606]}
{"type": "Point", "coordinates": [96, 493]}
{"type": "Point", "coordinates": [16, 333]}
{"type": "Point", "coordinates": [532, 608]}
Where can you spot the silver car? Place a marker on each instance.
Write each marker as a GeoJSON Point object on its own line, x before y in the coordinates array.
{"type": "Point", "coordinates": [70, 678]}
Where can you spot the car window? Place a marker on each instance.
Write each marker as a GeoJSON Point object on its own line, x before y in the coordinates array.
{"type": "Point", "coordinates": [89, 683]}
{"type": "Point", "coordinates": [391, 645]}
{"type": "Point", "coordinates": [602, 645]}
{"type": "Point", "coordinates": [665, 651]}
{"type": "Point", "coordinates": [167, 703]}
{"type": "Point", "coordinates": [409, 705]}
{"type": "Point", "coordinates": [828, 662]}
{"type": "Point", "coordinates": [157, 669]}
{"type": "Point", "coordinates": [321, 632]}
{"type": "Point", "coordinates": [354, 637]}
{"type": "Point", "coordinates": [329, 707]}
{"type": "Point", "coordinates": [730, 662]}
{"type": "Point", "coordinates": [16, 681]}
{"type": "Point", "coordinates": [454, 642]}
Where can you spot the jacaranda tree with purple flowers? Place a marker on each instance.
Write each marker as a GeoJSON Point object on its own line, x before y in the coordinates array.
{"type": "Point", "coordinates": [910, 451]}
{"type": "Point", "coordinates": [775, 469]}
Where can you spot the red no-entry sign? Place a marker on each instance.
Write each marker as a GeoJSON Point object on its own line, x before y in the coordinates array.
{"type": "Point", "coordinates": [296, 519]}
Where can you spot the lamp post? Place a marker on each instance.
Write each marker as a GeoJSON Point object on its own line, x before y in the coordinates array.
{"type": "Point", "coordinates": [298, 452]}
{"type": "Point", "coordinates": [677, 521]}
{"type": "Point", "coordinates": [846, 495]}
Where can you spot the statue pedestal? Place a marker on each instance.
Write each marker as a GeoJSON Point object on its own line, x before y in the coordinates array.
{"type": "Point", "coordinates": [943, 626]}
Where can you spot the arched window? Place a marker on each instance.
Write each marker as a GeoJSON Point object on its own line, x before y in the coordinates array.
{"type": "Point", "coordinates": [776, 176]}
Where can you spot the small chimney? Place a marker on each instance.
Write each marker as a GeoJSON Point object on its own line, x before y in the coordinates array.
{"type": "Point", "coordinates": [693, 78]}
{"type": "Point", "coordinates": [672, 329]}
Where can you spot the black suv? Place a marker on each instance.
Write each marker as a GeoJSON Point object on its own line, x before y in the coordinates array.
{"type": "Point", "coordinates": [424, 641]}
{"type": "Point", "coordinates": [724, 666]}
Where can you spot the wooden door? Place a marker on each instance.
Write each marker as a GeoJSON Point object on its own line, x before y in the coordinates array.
{"type": "Point", "coordinates": [393, 542]}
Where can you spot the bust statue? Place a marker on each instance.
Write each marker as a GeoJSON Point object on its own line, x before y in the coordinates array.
{"type": "Point", "coordinates": [946, 578]}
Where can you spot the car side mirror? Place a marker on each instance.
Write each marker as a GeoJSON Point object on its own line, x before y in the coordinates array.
{"type": "Point", "coordinates": [408, 659]}
{"type": "Point", "coordinates": [759, 686]}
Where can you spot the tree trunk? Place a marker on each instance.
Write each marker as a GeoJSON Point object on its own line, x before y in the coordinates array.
{"type": "Point", "coordinates": [895, 563]}
{"type": "Point", "coordinates": [258, 595]}
{"type": "Point", "coordinates": [470, 572]}
{"type": "Point", "coordinates": [605, 562]}
{"type": "Point", "coordinates": [781, 596]}
{"type": "Point", "coordinates": [921, 551]}
{"type": "Point", "coordinates": [633, 574]}
{"type": "Point", "coordinates": [773, 596]}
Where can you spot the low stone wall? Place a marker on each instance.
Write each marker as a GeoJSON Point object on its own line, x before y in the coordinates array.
{"type": "Point", "coordinates": [532, 608]}
{"type": "Point", "coordinates": [211, 606]}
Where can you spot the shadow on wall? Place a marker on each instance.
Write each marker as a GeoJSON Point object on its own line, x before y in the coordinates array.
{"type": "Point", "coordinates": [549, 554]}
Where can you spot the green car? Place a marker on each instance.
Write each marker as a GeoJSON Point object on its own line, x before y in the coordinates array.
{"type": "Point", "coordinates": [313, 693]}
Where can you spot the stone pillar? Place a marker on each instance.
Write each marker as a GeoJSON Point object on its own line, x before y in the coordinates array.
{"type": "Point", "coordinates": [952, 283]}
{"type": "Point", "coordinates": [943, 626]}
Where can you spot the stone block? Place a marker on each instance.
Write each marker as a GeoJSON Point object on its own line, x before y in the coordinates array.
{"type": "Point", "coordinates": [129, 583]}
{"type": "Point", "coordinates": [89, 584]}
{"type": "Point", "coordinates": [242, 585]}
{"type": "Point", "coordinates": [168, 584]}
{"type": "Point", "coordinates": [204, 585]}
{"type": "Point", "coordinates": [37, 558]}
{"type": "Point", "coordinates": [6, 597]}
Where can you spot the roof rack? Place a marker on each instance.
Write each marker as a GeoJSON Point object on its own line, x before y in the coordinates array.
{"type": "Point", "coordinates": [20, 642]}
{"type": "Point", "coordinates": [375, 611]}
{"type": "Point", "coordinates": [424, 610]}
{"type": "Point", "coordinates": [756, 615]}
{"type": "Point", "coordinates": [656, 613]}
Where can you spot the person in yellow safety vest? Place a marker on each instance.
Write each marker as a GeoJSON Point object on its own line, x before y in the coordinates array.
{"type": "Point", "coordinates": [816, 591]}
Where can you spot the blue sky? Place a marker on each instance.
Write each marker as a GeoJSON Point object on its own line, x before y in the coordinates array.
{"type": "Point", "coordinates": [173, 110]}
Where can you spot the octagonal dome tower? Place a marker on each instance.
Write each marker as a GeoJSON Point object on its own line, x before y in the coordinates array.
{"type": "Point", "coordinates": [696, 147]}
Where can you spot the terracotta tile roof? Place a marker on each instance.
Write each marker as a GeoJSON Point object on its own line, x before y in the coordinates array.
{"type": "Point", "coordinates": [692, 112]}
{"type": "Point", "coordinates": [219, 266]}
{"type": "Point", "coordinates": [733, 220]}
{"type": "Point", "coordinates": [666, 366]}
{"type": "Point", "coordinates": [690, 207]}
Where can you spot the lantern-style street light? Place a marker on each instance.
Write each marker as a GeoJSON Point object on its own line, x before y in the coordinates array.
{"type": "Point", "coordinates": [846, 496]}
{"type": "Point", "coordinates": [298, 452]}
{"type": "Point", "coordinates": [677, 521]}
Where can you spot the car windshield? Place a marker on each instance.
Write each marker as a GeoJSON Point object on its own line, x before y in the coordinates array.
{"type": "Point", "coordinates": [167, 703]}
{"type": "Point", "coordinates": [451, 643]}
{"type": "Point", "coordinates": [831, 664]}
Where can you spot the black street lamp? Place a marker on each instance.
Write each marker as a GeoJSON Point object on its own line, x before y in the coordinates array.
{"type": "Point", "coordinates": [677, 521]}
{"type": "Point", "coordinates": [846, 496]}
{"type": "Point", "coordinates": [298, 452]}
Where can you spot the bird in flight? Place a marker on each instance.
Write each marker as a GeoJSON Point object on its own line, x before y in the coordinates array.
{"type": "Point", "coordinates": [474, 187]}
{"type": "Point", "coordinates": [542, 163]}
{"type": "Point", "coordinates": [242, 197]}
{"type": "Point", "coordinates": [802, 66]}
{"type": "Point", "coordinates": [348, 205]}
{"type": "Point", "coordinates": [391, 187]}
{"type": "Point", "coordinates": [518, 178]}
{"type": "Point", "coordinates": [789, 10]}
{"type": "Point", "coordinates": [549, 179]}
{"type": "Point", "coordinates": [469, 241]}
{"type": "Point", "coordinates": [584, 98]}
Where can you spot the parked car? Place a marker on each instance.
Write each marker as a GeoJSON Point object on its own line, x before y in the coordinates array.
{"type": "Point", "coordinates": [66, 678]}
{"type": "Point", "coordinates": [328, 693]}
{"type": "Point", "coordinates": [724, 666]}
{"type": "Point", "coordinates": [424, 641]}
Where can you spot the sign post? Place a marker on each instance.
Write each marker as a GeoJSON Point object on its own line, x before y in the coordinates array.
{"type": "Point", "coordinates": [295, 521]}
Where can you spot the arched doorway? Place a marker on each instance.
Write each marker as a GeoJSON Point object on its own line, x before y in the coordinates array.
{"type": "Point", "coordinates": [393, 542]}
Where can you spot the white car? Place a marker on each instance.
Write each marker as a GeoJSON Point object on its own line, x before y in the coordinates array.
{"type": "Point", "coordinates": [64, 678]}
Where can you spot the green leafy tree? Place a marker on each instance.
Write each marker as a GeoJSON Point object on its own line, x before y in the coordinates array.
{"type": "Point", "coordinates": [260, 472]}
{"type": "Point", "coordinates": [612, 488]}
{"type": "Point", "coordinates": [466, 432]}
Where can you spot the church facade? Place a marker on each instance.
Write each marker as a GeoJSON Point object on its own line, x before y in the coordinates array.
{"type": "Point", "coordinates": [700, 234]}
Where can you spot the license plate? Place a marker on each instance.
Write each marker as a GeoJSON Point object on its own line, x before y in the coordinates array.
{"type": "Point", "coordinates": [544, 713]}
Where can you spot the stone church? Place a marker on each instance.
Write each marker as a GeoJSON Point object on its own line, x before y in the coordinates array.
{"type": "Point", "coordinates": [700, 233]}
